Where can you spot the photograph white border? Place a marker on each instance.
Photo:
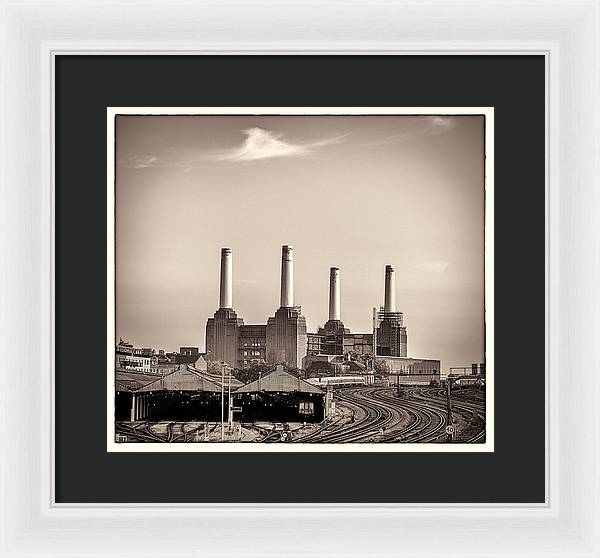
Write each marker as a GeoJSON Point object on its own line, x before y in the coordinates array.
{"type": "Point", "coordinates": [565, 32]}
{"type": "Point", "coordinates": [487, 239]}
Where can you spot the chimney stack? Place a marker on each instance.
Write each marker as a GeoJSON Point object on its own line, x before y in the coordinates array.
{"type": "Point", "coordinates": [287, 277]}
{"type": "Point", "coordinates": [226, 291]}
{"type": "Point", "coordinates": [390, 289]}
{"type": "Point", "coordinates": [334, 293]}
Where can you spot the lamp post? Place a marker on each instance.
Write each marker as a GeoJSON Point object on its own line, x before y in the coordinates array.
{"type": "Point", "coordinates": [449, 409]}
{"type": "Point", "coordinates": [223, 401]}
{"type": "Point", "coordinates": [375, 324]}
{"type": "Point", "coordinates": [229, 412]}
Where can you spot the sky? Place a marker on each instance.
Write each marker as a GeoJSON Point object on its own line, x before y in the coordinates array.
{"type": "Point", "coordinates": [354, 192]}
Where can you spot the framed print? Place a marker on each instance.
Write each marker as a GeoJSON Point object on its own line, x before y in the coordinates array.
{"type": "Point", "coordinates": [278, 386]}
{"type": "Point", "coordinates": [318, 277]}
{"type": "Point", "coordinates": [392, 417]}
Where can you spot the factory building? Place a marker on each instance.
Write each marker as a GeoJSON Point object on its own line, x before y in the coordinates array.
{"type": "Point", "coordinates": [335, 339]}
{"type": "Point", "coordinates": [223, 329]}
{"type": "Point", "coordinates": [281, 340]}
{"type": "Point", "coordinates": [284, 339]}
{"type": "Point", "coordinates": [286, 330]}
{"type": "Point", "coordinates": [390, 332]}
{"type": "Point", "coordinates": [252, 345]}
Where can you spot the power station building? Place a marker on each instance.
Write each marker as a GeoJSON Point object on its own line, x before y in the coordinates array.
{"type": "Point", "coordinates": [284, 339]}
{"type": "Point", "coordinates": [388, 326]}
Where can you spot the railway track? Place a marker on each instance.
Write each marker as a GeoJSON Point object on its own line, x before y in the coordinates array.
{"type": "Point", "coordinates": [335, 425]}
{"type": "Point", "coordinates": [427, 425]}
{"type": "Point", "coordinates": [373, 414]}
{"type": "Point", "coordinates": [472, 410]}
{"type": "Point", "coordinates": [381, 417]}
{"type": "Point", "coordinates": [139, 432]}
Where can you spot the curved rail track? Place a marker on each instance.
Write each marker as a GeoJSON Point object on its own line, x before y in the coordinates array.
{"type": "Point", "coordinates": [380, 416]}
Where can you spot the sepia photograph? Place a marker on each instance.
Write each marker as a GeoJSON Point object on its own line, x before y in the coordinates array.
{"type": "Point", "coordinates": [300, 279]}
{"type": "Point", "coordinates": [300, 237]}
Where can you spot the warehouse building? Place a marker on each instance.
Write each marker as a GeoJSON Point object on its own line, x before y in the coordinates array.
{"type": "Point", "coordinates": [279, 396]}
{"type": "Point", "coordinates": [183, 394]}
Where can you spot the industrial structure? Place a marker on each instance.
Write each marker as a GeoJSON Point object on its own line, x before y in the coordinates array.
{"type": "Point", "coordinates": [389, 323]}
{"type": "Point", "coordinates": [281, 340]}
{"type": "Point", "coordinates": [154, 387]}
{"type": "Point", "coordinates": [389, 332]}
{"type": "Point", "coordinates": [284, 339]}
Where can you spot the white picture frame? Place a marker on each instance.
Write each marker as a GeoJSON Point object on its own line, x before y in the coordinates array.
{"type": "Point", "coordinates": [565, 32]}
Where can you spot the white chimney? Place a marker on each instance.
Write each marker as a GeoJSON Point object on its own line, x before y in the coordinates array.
{"type": "Point", "coordinates": [287, 277]}
{"type": "Point", "coordinates": [334, 293]}
{"type": "Point", "coordinates": [390, 289]}
{"type": "Point", "coordinates": [226, 292]}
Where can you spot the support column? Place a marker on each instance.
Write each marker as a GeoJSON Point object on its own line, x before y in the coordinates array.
{"type": "Point", "coordinates": [334, 294]}
{"type": "Point", "coordinates": [132, 415]}
{"type": "Point", "coordinates": [226, 291]}
{"type": "Point", "coordinates": [287, 277]}
{"type": "Point", "coordinates": [390, 289]}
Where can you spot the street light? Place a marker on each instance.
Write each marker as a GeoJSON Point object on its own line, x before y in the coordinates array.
{"type": "Point", "coordinates": [448, 410]}
{"type": "Point", "coordinates": [229, 416]}
{"type": "Point", "coordinates": [229, 411]}
{"type": "Point", "coordinates": [449, 426]}
{"type": "Point", "coordinates": [224, 365]}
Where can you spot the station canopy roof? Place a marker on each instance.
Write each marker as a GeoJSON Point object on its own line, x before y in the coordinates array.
{"type": "Point", "coordinates": [280, 381]}
{"type": "Point", "coordinates": [216, 378]}
{"type": "Point", "coordinates": [182, 379]}
{"type": "Point", "coordinates": [131, 380]}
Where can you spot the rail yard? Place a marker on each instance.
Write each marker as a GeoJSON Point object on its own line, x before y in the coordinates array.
{"type": "Point", "coordinates": [363, 414]}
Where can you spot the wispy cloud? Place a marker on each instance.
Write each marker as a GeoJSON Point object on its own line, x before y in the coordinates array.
{"type": "Point", "coordinates": [258, 144]}
{"type": "Point", "coordinates": [433, 267]}
{"type": "Point", "coordinates": [263, 144]}
{"type": "Point", "coordinates": [143, 161]}
{"type": "Point", "coordinates": [418, 127]}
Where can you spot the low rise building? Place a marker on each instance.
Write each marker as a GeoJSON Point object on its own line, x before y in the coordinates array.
{"type": "Point", "coordinates": [129, 357]}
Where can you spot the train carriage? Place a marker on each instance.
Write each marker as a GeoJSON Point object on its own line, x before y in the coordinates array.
{"type": "Point", "coordinates": [339, 381]}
